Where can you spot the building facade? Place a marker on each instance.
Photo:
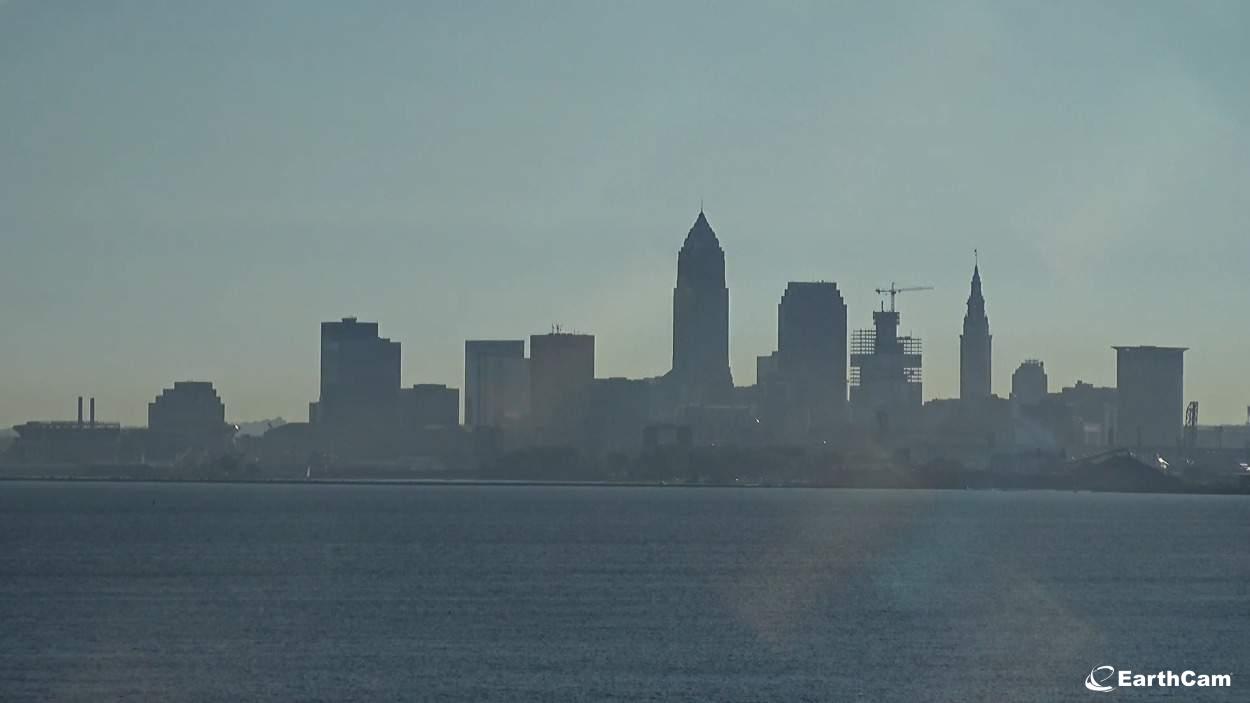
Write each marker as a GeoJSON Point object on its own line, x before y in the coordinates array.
{"type": "Point", "coordinates": [359, 376]}
{"type": "Point", "coordinates": [429, 405]}
{"type": "Point", "coordinates": [562, 368]}
{"type": "Point", "coordinates": [811, 353]}
{"type": "Point", "coordinates": [1150, 385]}
{"type": "Point", "coordinates": [496, 383]}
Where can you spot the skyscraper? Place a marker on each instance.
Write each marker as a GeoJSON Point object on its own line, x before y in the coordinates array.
{"type": "Point", "coordinates": [701, 319]}
{"type": "Point", "coordinates": [886, 377]}
{"type": "Point", "coordinates": [562, 368]}
{"type": "Point", "coordinates": [1150, 384]}
{"type": "Point", "coordinates": [496, 383]}
{"type": "Point", "coordinates": [1028, 383]}
{"type": "Point", "coordinates": [811, 351]}
{"type": "Point", "coordinates": [974, 345]}
{"type": "Point", "coordinates": [359, 375]}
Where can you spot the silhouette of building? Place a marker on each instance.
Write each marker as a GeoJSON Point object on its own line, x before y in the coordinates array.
{"type": "Point", "coordinates": [562, 367]}
{"type": "Point", "coordinates": [359, 377]}
{"type": "Point", "coordinates": [969, 431]}
{"type": "Point", "coordinates": [1029, 383]}
{"type": "Point", "coordinates": [974, 345]}
{"type": "Point", "coordinates": [616, 414]}
{"type": "Point", "coordinates": [885, 373]}
{"type": "Point", "coordinates": [811, 353]}
{"type": "Point", "coordinates": [67, 442]}
{"type": "Point", "coordinates": [429, 405]}
{"type": "Point", "coordinates": [190, 416]}
{"type": "Point", "coordinates": [767, 370]}
{"type": "Point", "coordinates": [700, 371]}
{"type": "Point", "coordinates": [189, 407]}
{"type": "Point", "coordinates": [1079, 419]}
{"type": "Point", "coordinates": [771, 399]}
{"type": "Point", "coordinates": [1150, 388]}
{"type": "Point", "coordinates": [496, 383]}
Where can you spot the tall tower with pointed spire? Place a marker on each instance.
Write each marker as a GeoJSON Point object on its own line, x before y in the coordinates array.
{"type": "Point", "coordinates": [974, 345]}
{"type": "Point", "coordinates": [701, 319]}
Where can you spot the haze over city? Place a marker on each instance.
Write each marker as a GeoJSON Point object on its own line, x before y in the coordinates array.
{"type": "Point", "coordinates": [508, 351]}
{"type": "Point", "coordinates": [189, 190]}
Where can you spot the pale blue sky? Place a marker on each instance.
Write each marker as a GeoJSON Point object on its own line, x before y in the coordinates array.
{"type": "Point", "coordinates": [188, 188]}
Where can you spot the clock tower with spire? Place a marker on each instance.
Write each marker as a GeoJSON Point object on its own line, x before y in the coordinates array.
{"type": "Point", "coordinates": [974, 344]}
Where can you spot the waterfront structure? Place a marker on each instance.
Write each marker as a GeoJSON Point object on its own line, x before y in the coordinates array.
{"type": "Point", "coordinates": [1029, 383]}
{"type": "Point", "coordinates": [67, 442]}
{"type": "Point", "coordinates": [496, 383]}
{"type": "Point", "coordinates": [189, 407]}
{"type": "Point", "coordinates": [1150, 391]}
{"type": "Point", "coordinates": [811, 353]}
{"type": "Point", "coordinates": [562, 367]}
{"type": "Point", "coordinates": [700, 372]}
{"type": "Point", "coordinates": [974, 345]}
{"type": "Point", "coordinates": [359, 376]}
{"type": "Point", "coordinates": [188, 416]}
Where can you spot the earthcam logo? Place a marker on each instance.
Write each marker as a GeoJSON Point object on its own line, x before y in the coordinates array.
{"type": "Point", "coordinates": [1098, 678]}
{"type": "Point", "coordinates": [1105, 679]}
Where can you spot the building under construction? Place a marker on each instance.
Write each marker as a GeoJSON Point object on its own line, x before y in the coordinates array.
{"type": "Point", "coordinates": [885, 369]}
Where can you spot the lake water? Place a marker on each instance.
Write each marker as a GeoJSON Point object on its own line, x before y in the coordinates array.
{"type": "Point", "coordinates": [331, 592]}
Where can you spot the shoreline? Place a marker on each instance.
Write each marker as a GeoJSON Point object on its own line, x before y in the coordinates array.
{"type": "Point", "coordinates": [523, 483]}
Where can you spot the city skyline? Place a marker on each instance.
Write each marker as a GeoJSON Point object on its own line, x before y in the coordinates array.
{"type": "Point", "coordinates": [408, 378]}
{"type": "Point", "coordinates": [1102, 192]}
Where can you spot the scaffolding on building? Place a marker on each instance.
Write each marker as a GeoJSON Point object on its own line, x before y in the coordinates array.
{"type": "Point", "coordinates": [863, 346]}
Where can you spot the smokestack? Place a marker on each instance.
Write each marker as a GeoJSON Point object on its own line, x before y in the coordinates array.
{"type": "Point", "coordinates": [80, 409]}
{"type": "Point", "coordinates": [93, 412]}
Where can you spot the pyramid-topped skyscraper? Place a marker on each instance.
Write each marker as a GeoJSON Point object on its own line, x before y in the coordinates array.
{"type": "Point", "coordinates": [700, 372]}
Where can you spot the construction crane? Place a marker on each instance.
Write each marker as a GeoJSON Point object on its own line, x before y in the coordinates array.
{"type": "Point", "coordinates": [894, 290]}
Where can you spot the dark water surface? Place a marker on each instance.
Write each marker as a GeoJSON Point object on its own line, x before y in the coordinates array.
{"type": "Point", "coordinates": [305, 592]}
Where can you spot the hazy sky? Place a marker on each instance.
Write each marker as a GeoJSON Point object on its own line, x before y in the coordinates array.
{"type": "Point", "coordinates": [188, 188]}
